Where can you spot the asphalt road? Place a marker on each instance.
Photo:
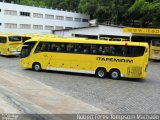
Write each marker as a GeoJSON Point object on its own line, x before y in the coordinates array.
{"type": "Point", "coordinates": [116, 96]}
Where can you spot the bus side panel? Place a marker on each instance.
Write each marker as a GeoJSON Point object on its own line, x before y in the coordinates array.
{"type": "Point", "coordinates": [71, 62]}
{"type": "Point", "coordinates": [3, 49]}
{"type": "Point", "coordinates": [43, 58]}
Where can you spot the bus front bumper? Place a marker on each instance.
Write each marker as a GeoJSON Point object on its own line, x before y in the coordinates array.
{"type": "Point", "coordinates": [13, 52]}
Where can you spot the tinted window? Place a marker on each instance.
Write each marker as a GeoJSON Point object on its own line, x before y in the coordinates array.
{"type": "Point", "coordinates": [3, 39]}
{"type": "Point", "coordinates": [112, 50]}
{"type": "Point", "coordinates": [25, 38]}
{"type": "Point", "coordinates": [26, 49]}
{"type": "Point", "coordinates": [43, 47]}
{"type": "Point", "coordinates": [14, 38]}
{"type": "Point", "coordinates": [135, 51]}
{"type": "Point", "coordinates": [156, 42]}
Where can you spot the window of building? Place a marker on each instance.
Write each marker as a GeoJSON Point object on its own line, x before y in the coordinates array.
{"type": "Point", "coordinates": [0, 10]}
{"type": "Point", "coordinates": [59, 27]}
{"type": "Point", "coordinates": [10, 12]}
{"type": "Point", "coordinates": [25, 14]}
{"type": "Point", "coordinates": [77, 19]}
{"type": "Point", "coordinates": [59, 17]}
{"type": "Point", "coordinates": [40, 27]}
{"type": "Point", "coordinates": [47, 16]}
{"type": "Point", "coordinates": [10, 25]}
{"type": "Point", "coordinates": [0, 24]}
{"type": "Point", "coordinates": [69, 18]}
{"type": "Point", "coordinates": [25, 26]}
{"type": "Point", "coordinates": [49, 27]}
{"type": "Point", "coordinates": [37, 15]}
{"type": "Point", "coordinates": [84, 20]}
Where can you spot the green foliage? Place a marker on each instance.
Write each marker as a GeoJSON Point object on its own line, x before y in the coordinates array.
{"type": "Point", "coordinates": [124, 12]}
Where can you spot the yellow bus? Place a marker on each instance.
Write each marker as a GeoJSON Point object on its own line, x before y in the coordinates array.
{"type": "Point", "coordinates": [9, 44]}
{"type": "Point", "coordinates": [114, 58]}
{"type": "Point", "coordinates": [155, 49]}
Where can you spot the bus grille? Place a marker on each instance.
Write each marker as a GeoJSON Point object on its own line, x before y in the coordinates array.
{"type": "Point", "coordinates": [134, 71]}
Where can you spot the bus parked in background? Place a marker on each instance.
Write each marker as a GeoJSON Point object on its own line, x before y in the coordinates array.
{"type": "Point", "coordinates": [25, 37]}
{"type": "Point", "coordinates": [99, 57]}
{"type": "Point", "coordinates": [155, 49]}
{"type": "Point", "coordinates": [9, 44]}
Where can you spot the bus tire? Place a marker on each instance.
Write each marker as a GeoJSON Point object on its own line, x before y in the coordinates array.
{"type": "Point", "coordinates": [114, 74]}
{"type": "Point", "coordinates": [36, 66]}
{"type": "Point", "coordinates": [101, 72]}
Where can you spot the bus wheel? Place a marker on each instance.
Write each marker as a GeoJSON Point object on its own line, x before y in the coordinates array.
{"type": "Point", "coordinates": [101, 72]}
{"type": "Point", "coordinates": [37, 66]}
{"type": "Point", "coordinates": [114, 74]}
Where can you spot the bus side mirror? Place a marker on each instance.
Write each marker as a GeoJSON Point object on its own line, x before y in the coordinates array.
{"type": "Point", "coordinates": [19, 48]}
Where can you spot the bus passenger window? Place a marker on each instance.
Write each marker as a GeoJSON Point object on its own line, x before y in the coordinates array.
{"type": "Point", "coordinates": [100, 49]}
{"type": "Point", "coordinates": [70, 48]}
{"type": "Point", "coordinates": [85, 51]}
{"type": "Point", "coordinates": [38, 49]}
{"type": "Point", "coordinates": [53, 47]}
{"type": "Point", "coordinates": [75, 50]}
{"type": "Point", "coordinates": [103, 52]}
{"type": "Point", "coordinates": [94, 51]}
{"type": "Point", "coordinates": [107, 50]}
{"type": "Point", "coordinates": [112, 49]}
{"type": "Point", "coordinates": [58, 49]}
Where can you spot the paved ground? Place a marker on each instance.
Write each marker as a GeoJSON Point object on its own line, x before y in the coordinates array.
{"type": "Point", "coordinates": [115, 96]}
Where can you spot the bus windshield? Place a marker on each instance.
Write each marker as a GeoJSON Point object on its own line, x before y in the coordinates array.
{"type": "Point", "coordinates": [156, 42]}
{"type": "Point", "coordinates": [26, 49]}
{"type": "Point", "coordinates": [14, 38]}
{"type": "Point", "coordinates": [25, 38]}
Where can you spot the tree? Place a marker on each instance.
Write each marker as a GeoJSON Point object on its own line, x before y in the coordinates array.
{"type": "Point", "coordinates": [124, 12]}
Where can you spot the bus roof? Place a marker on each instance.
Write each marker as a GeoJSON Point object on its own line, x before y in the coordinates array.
{"type": "Point", "coordinates": [89, 41]}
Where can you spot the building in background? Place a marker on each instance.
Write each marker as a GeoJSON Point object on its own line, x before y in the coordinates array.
{"type": "Point", "coordinates": [94, 32]}
{"type": "Point", "coordinates": [29, 19]}
{"type": "Point", "coordinates": [111, 31]}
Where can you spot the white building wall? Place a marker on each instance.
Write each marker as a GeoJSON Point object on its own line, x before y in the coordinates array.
{"type": "Point", "coordinates": [18, 19]}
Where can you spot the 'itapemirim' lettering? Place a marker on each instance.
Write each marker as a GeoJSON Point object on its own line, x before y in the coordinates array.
{"type": "Point", "coordinates": [114, 60]}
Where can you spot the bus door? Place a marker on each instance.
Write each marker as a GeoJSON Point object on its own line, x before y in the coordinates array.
{"type": "Point", "coordinates": [57, 56]}
{"type": "Point", "coordinates": [26, 53]}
